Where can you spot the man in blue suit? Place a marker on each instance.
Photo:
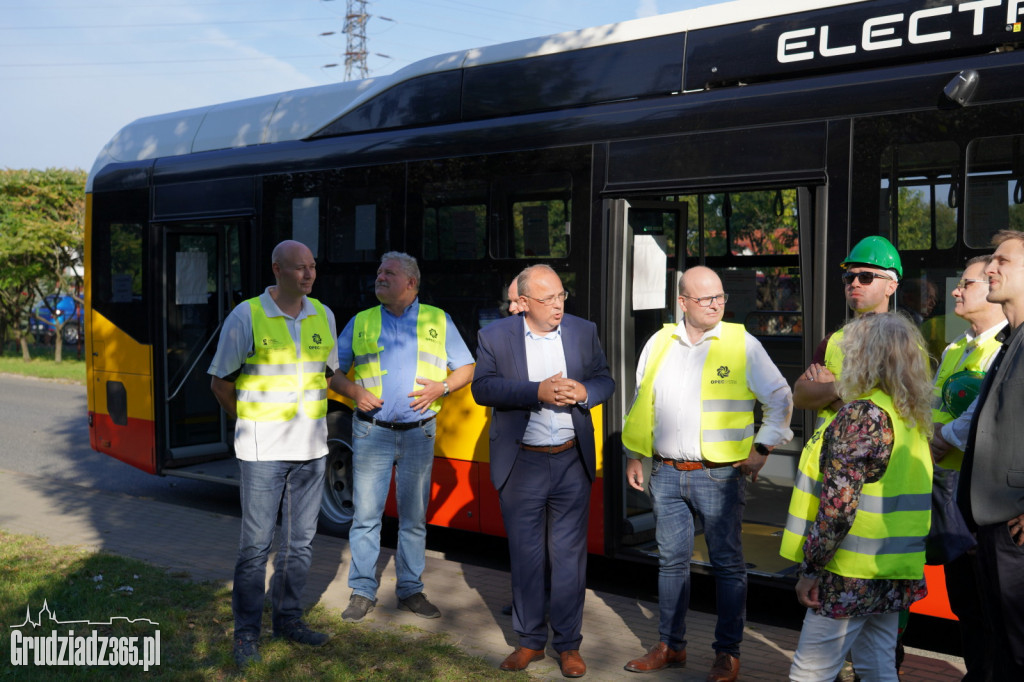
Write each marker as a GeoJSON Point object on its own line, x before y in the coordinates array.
{"type": "Point", "coordinates": [543, 372]}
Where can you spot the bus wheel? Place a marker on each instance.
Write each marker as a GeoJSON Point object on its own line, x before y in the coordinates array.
{"type": "Point", "coordinates": [336, 506]}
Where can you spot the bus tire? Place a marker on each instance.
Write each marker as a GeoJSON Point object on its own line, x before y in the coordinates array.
{"type": "Point", "coordinates": [336, 506]}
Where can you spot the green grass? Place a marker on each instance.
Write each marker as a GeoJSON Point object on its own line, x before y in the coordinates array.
{"type": "Point", "coordinates": [195, 625]}
{"type": "Point", "coordinates": [71, 369]}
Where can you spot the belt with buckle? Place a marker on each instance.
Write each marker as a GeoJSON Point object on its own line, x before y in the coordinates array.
{"type": "Point", "coordinates": [549, 449]}
{"type": "Point", "coordinates": [689, 465]}
{"type": "Point", "coordinates": [394, 426]}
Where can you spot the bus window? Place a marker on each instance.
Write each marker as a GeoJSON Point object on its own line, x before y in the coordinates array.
{"type": "Point", "coordinates": [534, 216]}
{"type": "Point", "coordinates": [119, 267]}
{"type": "Point", "coordinates": [455, 220]}
{"type": "Point", "coordinates": [736, 228]}
{"type": "Point", "coordinates": [995, 188]}
{"type": "Point", "coordinates": [923, 209]}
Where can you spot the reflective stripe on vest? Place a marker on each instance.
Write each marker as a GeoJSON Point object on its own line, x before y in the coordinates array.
{"type": "Point", "coordinates": [277, 378]}
{"type": "Point", "coordinates": [893, 514]}
{"type": "Point", "coordinates": [727, 404]}
{"type": "Point", "coordinates": [977, 360]}
{"type": "Point", "coordinates": [431, 357]}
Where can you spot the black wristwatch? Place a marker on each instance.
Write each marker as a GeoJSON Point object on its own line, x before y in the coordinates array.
{"type": "Point", "coordinates": [762, 449]}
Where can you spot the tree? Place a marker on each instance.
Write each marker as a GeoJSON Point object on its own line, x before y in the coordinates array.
{"type": "Point", "coordinates": [42, 219]}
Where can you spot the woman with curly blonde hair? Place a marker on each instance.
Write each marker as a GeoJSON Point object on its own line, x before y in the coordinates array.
{"type": "Point", "coordinates": [861, 504]}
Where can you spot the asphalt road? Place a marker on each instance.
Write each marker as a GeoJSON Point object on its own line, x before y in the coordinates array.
{"type": "Point", "coordinates": [44, 430]}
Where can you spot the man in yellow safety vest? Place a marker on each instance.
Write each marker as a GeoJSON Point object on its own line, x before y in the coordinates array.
{"type": "Point", "coordinates": [401, 352]}
{"type": "Point", "coordinates": [694, 414]}
{"type": "Point", "coordinates": [270, 373]}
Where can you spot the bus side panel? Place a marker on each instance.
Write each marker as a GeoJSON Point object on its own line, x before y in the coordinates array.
{"type": "Point", "coordinates": [121, 415]}
{"type": "Point", "coordinates": [133, 443]}
{"type": "Point", "coordinates": [937, 601]}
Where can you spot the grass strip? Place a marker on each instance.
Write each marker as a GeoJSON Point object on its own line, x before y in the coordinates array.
{"type": "Point", "coordinates": [195, 625]}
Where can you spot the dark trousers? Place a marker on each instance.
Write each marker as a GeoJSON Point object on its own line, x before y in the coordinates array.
{"type": "Point", "coordinates": [1001, 579]}
{"type": "Point", "coordinates": [545, 505]}
{"type": "Point", "coordinates": [965, 600]}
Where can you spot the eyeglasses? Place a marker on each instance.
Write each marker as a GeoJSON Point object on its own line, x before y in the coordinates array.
{"type": "Point", "coordinates": [864, 278]}
{"type": "Point", "coordinates": [964, 283]}
{"type": "Point", "coordinates": [706, 301]}
{"type": "Point", "coordinates": [551, 300]}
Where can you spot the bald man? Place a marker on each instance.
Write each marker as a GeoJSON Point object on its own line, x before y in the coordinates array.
{"type": "Point", "coordinates": [281, 342]}
{"type": "Point", "coordinates": [701, 458]}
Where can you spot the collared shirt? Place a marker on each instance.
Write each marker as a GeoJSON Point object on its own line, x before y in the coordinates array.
{"type": "Point", "coordinates": [398, 360]}
{"type": "Point", "coordinates": [299, 439]}
{"type": "Point", "coordinates": [677, 400]}
{"type": "Point", "coordinates": [955, 432]}
{"type": "Point", "coordinates": [545, 357]}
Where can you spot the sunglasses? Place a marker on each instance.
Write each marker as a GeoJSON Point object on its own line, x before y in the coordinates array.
{"type": "Point", "coordinates": [864, 278]}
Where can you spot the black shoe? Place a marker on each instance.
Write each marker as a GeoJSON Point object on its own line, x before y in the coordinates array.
{"type": "Point", "coordinates": [246, 650]}
{"type": "Point", "coordinates": [419, 605]}
{"type": "Point", "coordinates": [297, 631]}
{"type": "Point", "coordinates": [358, 607]}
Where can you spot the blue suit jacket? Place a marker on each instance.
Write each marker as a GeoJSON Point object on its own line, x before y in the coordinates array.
{"type": "Point", "coordinates": [502, 381]}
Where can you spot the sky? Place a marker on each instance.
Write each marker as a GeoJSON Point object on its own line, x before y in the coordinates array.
{"type": "Point", "coordinates": [74, 72]}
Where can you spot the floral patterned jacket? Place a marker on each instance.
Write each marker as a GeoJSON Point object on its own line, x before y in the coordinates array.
{"type": "Point", "coordinates": [855, 450]}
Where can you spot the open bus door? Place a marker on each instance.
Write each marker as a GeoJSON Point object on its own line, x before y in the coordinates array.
{"type": "Point", "coordinates": [203, 281]}
{"type": "Point", "coordinates": [653, 242]}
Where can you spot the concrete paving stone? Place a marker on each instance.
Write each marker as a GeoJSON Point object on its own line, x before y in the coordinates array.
{"type": "Point", "coordinates": [201, 544]}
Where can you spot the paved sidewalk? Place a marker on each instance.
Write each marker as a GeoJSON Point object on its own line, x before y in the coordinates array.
{"type": "Point", "coordinates": [615, 629]}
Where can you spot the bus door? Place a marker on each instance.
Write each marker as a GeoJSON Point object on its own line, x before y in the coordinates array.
{"type": "Point", "coordinates": [751, 238]}
{"type": "Point", "coordinates": [648, 253]}
{"type": "Point", "coordinates": [203, 281]}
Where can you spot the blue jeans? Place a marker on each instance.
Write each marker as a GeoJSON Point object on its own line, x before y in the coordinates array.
{"type": "Point", "coordinates": [717, 497]}
{"type": "Point", "coordinates": [296, 489]}
{"type": "Point", "coordinates": [375, 450]}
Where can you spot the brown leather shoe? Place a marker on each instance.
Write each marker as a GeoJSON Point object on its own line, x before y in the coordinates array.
{"type": "Point", "coordinates": [725, 669]}
{"type": "Point", "coordinates": [520, 658]}
{"type": "Point", "coordinates": [572, 664]}
{"type": "Point", "coordinates": [660, 656]}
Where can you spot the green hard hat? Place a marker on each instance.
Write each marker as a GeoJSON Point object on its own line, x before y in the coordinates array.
{"type": "Point", "coordinates": [876, 251]}
{"type": "Point", "coordinates": [960, 390]}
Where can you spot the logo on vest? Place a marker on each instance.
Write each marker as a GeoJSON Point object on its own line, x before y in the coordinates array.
{"type": "Point", "coordinates": [723, 376]}
{"type": "Point", "coordinates": [433, 333]}
{"type": "Point", "coordinates": [317, 339]}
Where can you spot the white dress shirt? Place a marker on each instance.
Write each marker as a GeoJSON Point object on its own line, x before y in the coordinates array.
{"type": "Point", "coordinates": [545, 357]}
{"type": "Point", "coordinates": [677, 399]}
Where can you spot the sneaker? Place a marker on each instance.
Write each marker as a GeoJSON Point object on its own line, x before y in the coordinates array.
{"type": "Point", "coordinates": [358, 607]}
{"type": "Point", "coordinates": [297, 631]}
{"type": "Point", "coordinates": [246, 651]}
{"type": "Point", "coordinates": [419, 605]}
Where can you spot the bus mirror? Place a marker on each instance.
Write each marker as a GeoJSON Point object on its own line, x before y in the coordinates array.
{"type": "Point", "coordinates": [961, 89]}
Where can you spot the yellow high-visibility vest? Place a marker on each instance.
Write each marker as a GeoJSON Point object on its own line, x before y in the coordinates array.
{"type": "Point", "coordinates": [431, 357]}
{"type": "Point", "coordinates": [977, 359]}
{"type": "Point", "coordinates": [727, 404]}
{"type": "Point", "coordinates": [887, 539]}
{"type": "Point", "coordinates": [275, 380]}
